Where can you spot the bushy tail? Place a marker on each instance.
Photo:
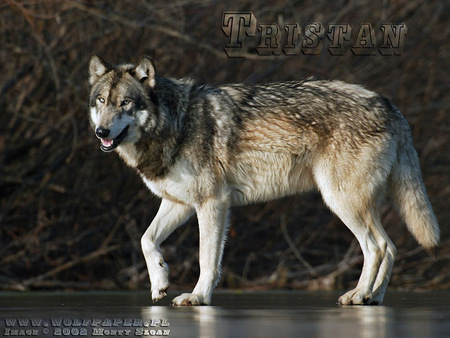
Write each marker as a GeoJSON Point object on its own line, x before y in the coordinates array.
{"type": "Point", "coordinates": [411, 198]}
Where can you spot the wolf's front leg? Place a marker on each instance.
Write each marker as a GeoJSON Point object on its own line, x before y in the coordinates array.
{"type": "Point", "coordinates": [170, 216]}
{"type": "Point", "coordinates": [212, 221]}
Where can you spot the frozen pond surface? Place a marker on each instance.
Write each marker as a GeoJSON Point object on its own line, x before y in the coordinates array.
{"type": "Point", "coordinates": [232, 314]}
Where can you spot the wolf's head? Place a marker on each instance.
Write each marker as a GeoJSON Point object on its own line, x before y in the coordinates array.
{"type": "Point", "coordinates": [122, 100]}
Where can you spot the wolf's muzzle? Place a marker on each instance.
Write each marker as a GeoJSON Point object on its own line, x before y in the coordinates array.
{"type": "Point", "coordinates": [110, 144]}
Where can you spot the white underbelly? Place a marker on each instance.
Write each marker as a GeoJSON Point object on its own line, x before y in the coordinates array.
{"type": "Point", "coordinates": [262, 176]}
{"type": "Point", "coordinates": [253, 177]}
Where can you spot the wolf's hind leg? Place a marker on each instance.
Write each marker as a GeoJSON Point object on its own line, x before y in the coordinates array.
{"type": "Point", "coordinates": [373, 252]}
{"type": "Point", "coordinates": [169, 217]}
{"type": "Point", "coordinates": [379, 255]}
{"type": "Point", "coordinates": [355, 205]}
{"type": "Point", "coordinates": [384, 273]}
{"type": "Point", "coordinates": [212, 220]}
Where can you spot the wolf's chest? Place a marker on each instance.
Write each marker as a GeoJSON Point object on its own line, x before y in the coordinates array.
{"type": "Point", "coordinates": [181, 185]}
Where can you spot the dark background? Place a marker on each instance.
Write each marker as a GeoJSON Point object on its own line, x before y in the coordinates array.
{"type": "Point", "coordinates": [71, 216]}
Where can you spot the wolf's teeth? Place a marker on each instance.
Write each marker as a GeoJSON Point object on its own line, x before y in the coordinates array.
{"type": "Point", "coordinates": [107, 143]}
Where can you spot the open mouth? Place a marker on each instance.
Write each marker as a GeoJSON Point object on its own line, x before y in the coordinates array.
{"type": "Point", "coordinates": [111, 144]}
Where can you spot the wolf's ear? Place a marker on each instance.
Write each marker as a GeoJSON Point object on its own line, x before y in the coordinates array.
{"type": "Point", "coordinates": [146, 72]}
{"type": "Point", "coordinates": [97, 68]}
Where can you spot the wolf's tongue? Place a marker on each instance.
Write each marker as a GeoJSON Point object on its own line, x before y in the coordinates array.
{"type": "Point", "coordinates": [107, 143]}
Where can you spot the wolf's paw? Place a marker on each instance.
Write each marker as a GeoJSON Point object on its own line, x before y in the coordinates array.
{"type": "Point", "coordinates": [357, 297]}
{"type": "Point", "coordinates": [189, 299]}
{"type": "Point", "coordinates": [158, 294]}
{"type": "Point", "coordinates": [159, 279]}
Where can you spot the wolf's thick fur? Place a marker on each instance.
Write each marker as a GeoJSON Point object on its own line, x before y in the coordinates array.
{"type": "Point", "coordinates": [203, 149]}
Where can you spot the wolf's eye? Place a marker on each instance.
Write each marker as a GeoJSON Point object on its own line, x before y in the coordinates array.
{"type": "Point", "coordinates": [125, 102]}
{"type": "Point", "coordinates": [101, 99]}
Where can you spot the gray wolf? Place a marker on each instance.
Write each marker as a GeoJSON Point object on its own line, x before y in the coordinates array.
{"type": "Point", "coordinates": [204, 148]}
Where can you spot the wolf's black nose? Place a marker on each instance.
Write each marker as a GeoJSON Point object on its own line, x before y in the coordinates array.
{"type": "Point", "coordinates": [102, 132]}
